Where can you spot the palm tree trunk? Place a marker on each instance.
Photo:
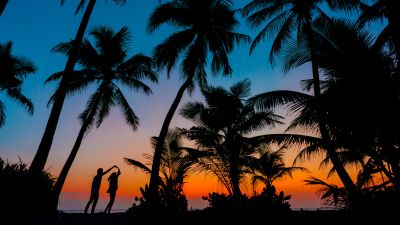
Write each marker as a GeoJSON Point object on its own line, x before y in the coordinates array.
{"type": "Point", "coordinates": [341, 171]}
{"type": "Point", "coordinates": [3, 4]}
{"type": "Point", "coordinates": [68, 164]}
{"type": "Point", "coordinates": [42, 153]}
{"type": "Point", "coordinates": [236, 188]}
{"type": "Point", "coordinates": [154, 178]}
{"type": "Point", "coordinates": [396, 174]}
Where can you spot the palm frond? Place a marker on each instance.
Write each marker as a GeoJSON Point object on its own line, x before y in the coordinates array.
{"type": "Point", "coordinates": [106, 102]}
{"type": "Point", "coordinates": [2, 114]}
{"type": "Point", "coordinates": [174, 13]}
{"type": "Point", "coordinates": [15, 93]}
{"type": "Point", "coordinates": [137, 165]}
{"type": "Point", "coordinates": [309, 152]}
{"type": "Point", "coordinates": [167, 53]}
{"type": "Point", "coordinates": [273, 99]}
{"type": "Point", "coordinates": [193, 111]}
{"type": "Point", "coordinates": [129, 115]}
{"type": "Point", "coordinates": [241, 89]}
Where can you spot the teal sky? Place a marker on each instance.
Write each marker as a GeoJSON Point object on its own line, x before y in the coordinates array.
{"type": "Point", "coordinates": [36, 26]}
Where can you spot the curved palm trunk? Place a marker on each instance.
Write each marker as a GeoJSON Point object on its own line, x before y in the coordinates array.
{"type": "Point", "coordinates": [235, 186]}
{"type": "Point", "coordinates": [341, 171]}
{"type": "Point", "coordinates": [154, 178]}
{"type": "Point", "coordinates": [3, 4]}
{"type": "Point", "coordinates": [68, 164]}
{"type": "Point", "coordinates": [42, 153]}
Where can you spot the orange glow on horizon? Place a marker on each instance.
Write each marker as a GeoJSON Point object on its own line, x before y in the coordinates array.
{"type": "Point", "coordinates": [197, 185]}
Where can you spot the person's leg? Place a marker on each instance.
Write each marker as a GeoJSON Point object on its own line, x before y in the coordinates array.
{"type": "Point", "coordinates": [112, 198]}
{"type": "Point", "coordinates": [95, 199]}
{"type": "Point", "coordinates": [88, 204]}
{"type": "Point", "coordinates": [108, 205]}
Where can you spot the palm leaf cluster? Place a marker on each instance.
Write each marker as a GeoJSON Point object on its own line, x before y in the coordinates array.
{"type": "Point", "coordinates": [13, 70]}
{"type": "Point", "coordinates": [174, 169]}
{"type": "Point", "coordinates": [222, 136]}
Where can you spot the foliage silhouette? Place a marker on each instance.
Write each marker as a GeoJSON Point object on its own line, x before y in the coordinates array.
{"type": "Point", "coordinates": [17, 198]}
{"type": "Point", "coordinates": [13, 70]}
{"type": "Point", "coordinates": [175, 168]}
{"type": "Point", "coordinates": [379, 10]}
{"type": "Point", "coordinates": [346, 64]}
{"type": "Point", "coordinates": [222, 127]}
{"type": "Point", "coordinates": [268, 167]}
{"type": "Point", "coordinates": [268, 200]}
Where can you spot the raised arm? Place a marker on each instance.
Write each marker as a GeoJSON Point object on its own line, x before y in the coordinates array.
{"type": "Point", "coordinates": [119, 171]}
{"type": "Point", "coordinates": [105, 172]}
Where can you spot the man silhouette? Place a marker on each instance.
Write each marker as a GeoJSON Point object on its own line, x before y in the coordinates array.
{"type": "Point", "coordinates": [94, 194]}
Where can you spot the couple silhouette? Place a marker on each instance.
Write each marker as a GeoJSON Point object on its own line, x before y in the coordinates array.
{"type": "Point", "coordinates": [112, 189]}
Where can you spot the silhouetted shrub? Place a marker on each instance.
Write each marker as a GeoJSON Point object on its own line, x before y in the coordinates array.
{"type": "Point", "coordinates": [267, 200]}
{"type": "Point", "coordinates": [171, 201]}
{"type": "Point", "coordinates": [21, 193]}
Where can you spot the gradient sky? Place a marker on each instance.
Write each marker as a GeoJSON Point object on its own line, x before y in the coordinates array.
{"type": "Point", "coordinates": [36, 26]}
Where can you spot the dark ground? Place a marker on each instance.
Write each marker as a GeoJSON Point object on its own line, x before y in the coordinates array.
{"type": "Point", "coordinates": [210, 218]}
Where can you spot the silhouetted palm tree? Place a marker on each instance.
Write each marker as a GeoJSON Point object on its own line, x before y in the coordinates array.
{"type": "Point", "coordinates": [12, 72]}
{"type": "Point", "coordinates": [107, 65]}
{"type": "Point", "coordinates": [175, 168]}
{"type": "Point", "coordinates": [221, 130]}
{"type": "Point", "coordinates": [358, 77]}
{"type": "Point", "coordinates": [365, 91]}
{"type": "Point", "coordinates": [291, 21]}
{"type": "Point", "coordinates": [268, 166]}
{"type": "Point", "coordinates": [39, 161]}
{"type": "Point", "coordinates": [3, 4]}
{"type": "Point", "coordinates": [379, 10]}
{"type": "Point", "coordinates": [203, 27]}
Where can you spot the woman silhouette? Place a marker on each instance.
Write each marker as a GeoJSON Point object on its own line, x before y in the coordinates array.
{"type": "Point", "coordinates": [112, 189]}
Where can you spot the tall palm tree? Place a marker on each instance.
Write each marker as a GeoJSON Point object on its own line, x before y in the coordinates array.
{"type": "Point", "coordinates": [105, 64]}
{"type": "Point", "coordinates": [40, 159]}
{"type": "Point", "coordinates": [3, 4]}
{"type": "Point", "coordinates": [291, 21]}
{"type": "Point", "coordinates": [221, 133]}
{"type": "Point", "coordinates": [358, 92]}
{"type": "Point", "coordinates": [175, 168]}
{"type": "Point", "coordinates": [203, 27]}
{"type": "Point", "coordinates": [268, 166]}
{"type": "Point", "coordinates": [12, 72]}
